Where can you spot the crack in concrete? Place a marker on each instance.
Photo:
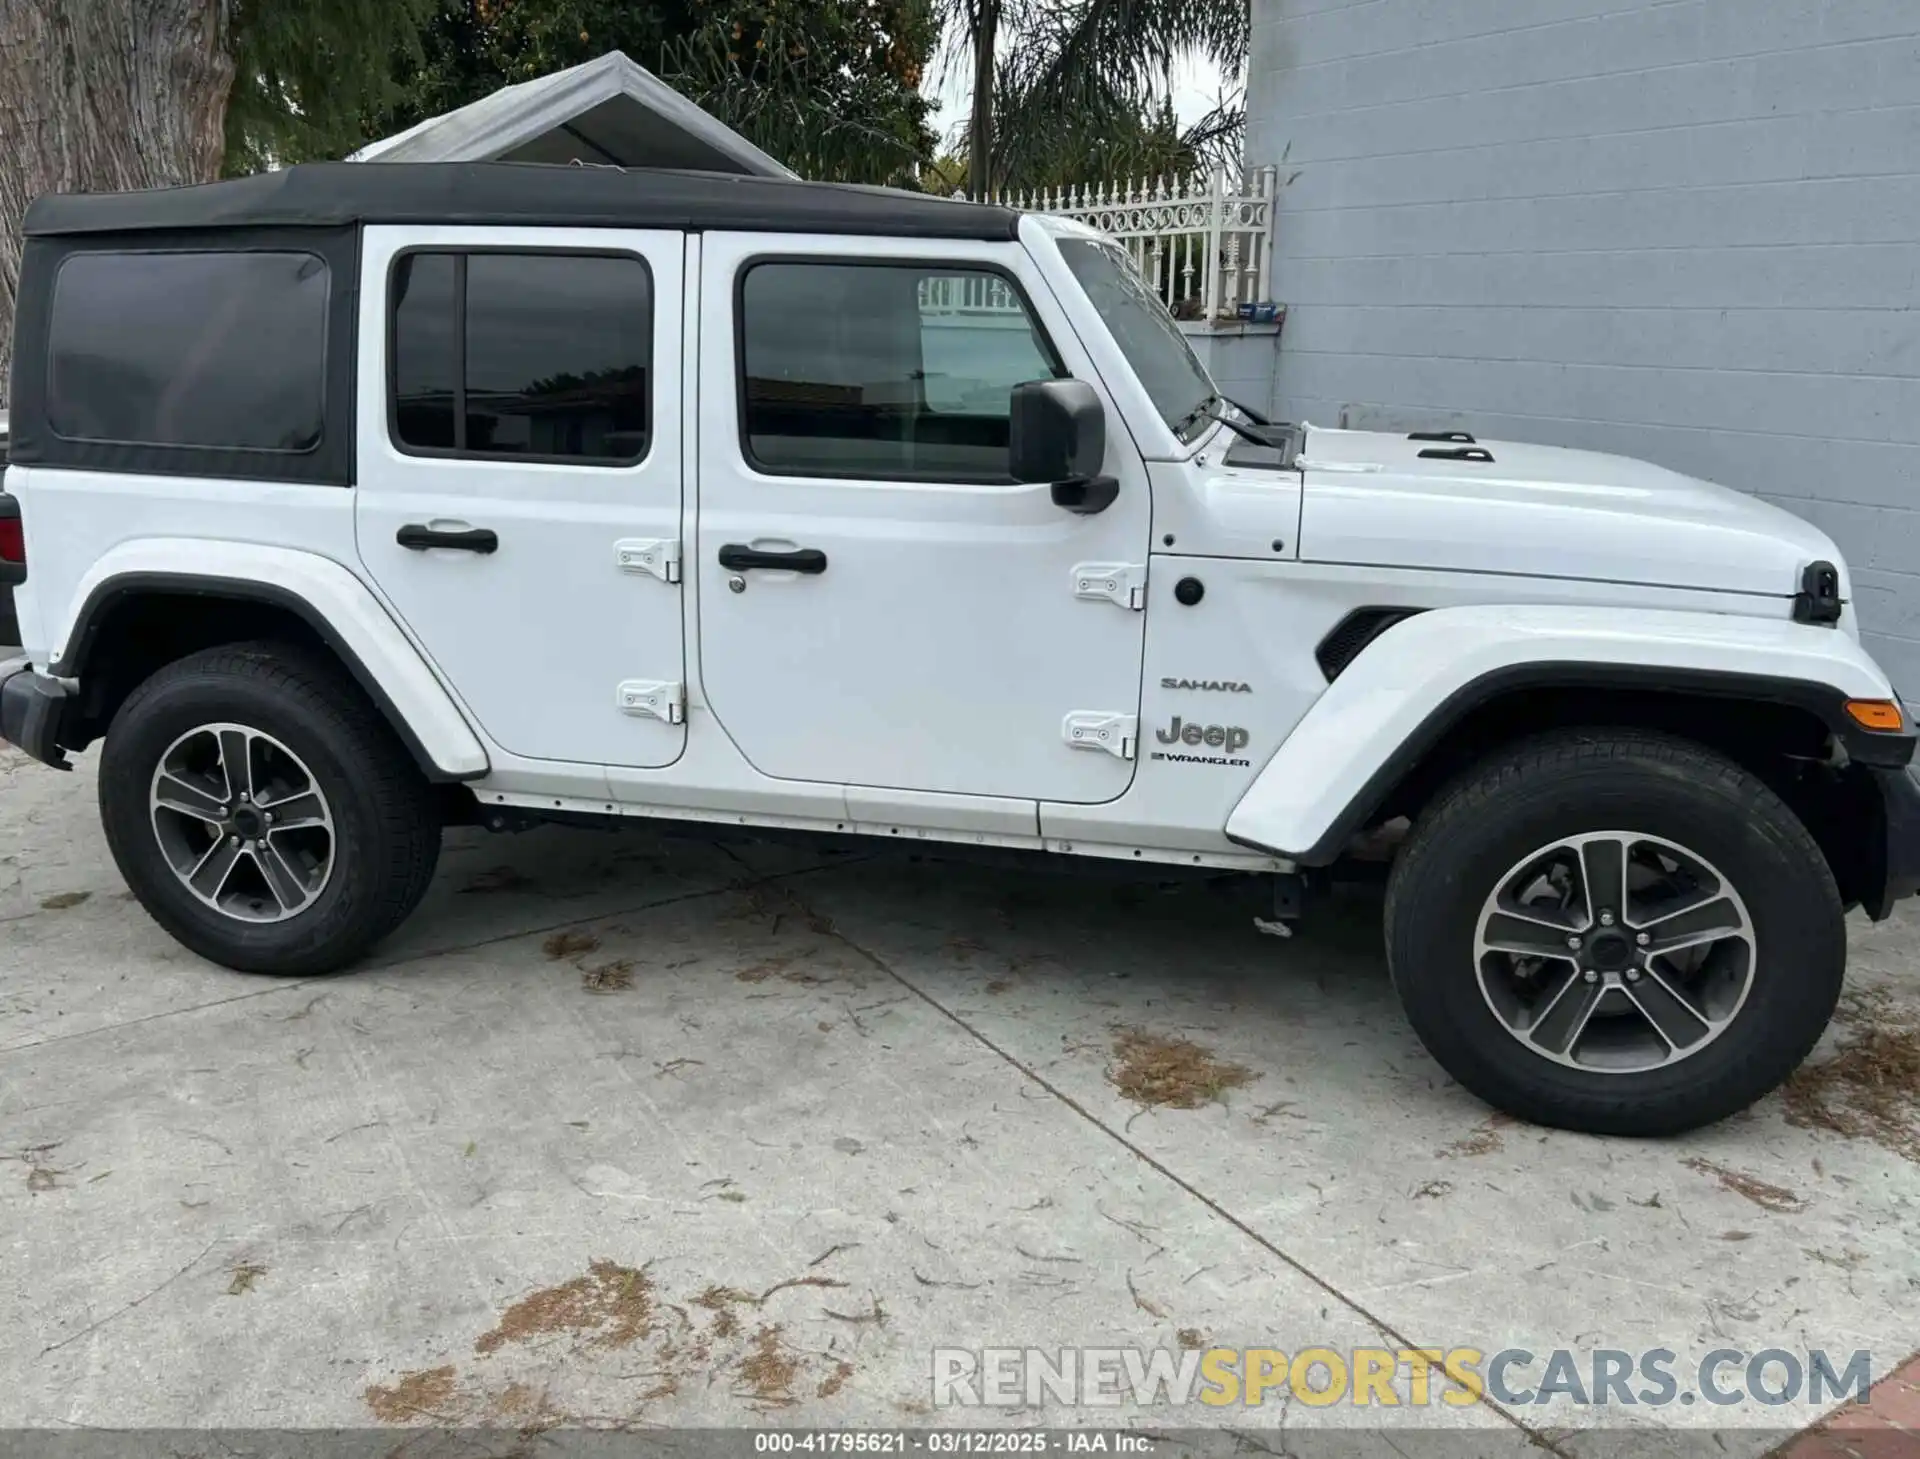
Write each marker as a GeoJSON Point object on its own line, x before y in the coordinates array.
{"type": "Point", "coordinates": [125, 1308]}
{"type": "Point", "coordinates": [1532, 1434]}
{"type": "Point", "coordinates": [428, 955]}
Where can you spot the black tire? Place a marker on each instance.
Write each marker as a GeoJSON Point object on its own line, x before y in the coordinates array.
{"type": "Point", "coordinates": [386, 829]}
{"type": "Point", "coordinates": [1531, 794]}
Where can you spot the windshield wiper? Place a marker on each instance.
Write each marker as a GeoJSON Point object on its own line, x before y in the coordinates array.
{"type": "Point", "coordinates": [1205, 411]}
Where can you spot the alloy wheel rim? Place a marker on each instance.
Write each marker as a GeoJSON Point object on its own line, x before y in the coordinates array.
{"type": "Point", "coordinates": [1615, 952]}
{"type": "Point", "coordinates": [242, 823]}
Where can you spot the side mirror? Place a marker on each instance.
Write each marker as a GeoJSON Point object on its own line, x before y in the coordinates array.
{"type": "Point", "coordinates": [1058, 434]}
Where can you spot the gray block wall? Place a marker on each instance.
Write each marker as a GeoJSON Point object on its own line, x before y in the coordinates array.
{"type": "Point", "coordinates": [1239, 357]}
{"type": "Point", "coordinates": [1687, 230]}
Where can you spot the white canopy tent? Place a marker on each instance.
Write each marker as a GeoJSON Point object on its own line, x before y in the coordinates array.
{"type": "Point", "coordinates": [606, 111]}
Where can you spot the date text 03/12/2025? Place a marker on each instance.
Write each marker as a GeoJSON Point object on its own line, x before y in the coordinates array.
{"type": "Point", "coordinates": [951, 1441]}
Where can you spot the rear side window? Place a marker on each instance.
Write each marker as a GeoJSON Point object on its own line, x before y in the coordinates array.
{"type": "Point", "coordinates": [217, 351]}
{"type": "Point", "coordinates": [894, 372]}
{"type": "Point", "coordinates": [531, 356]}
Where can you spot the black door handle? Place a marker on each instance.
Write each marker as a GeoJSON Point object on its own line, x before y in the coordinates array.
{"type": "Point", "coordinates": [419, 538]}
{"type": "Point", "coordinates": [806, 559]}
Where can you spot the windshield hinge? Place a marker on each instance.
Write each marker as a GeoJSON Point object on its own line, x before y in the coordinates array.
{"type": "Point", "coordinates": [1094, 729]}
{"type": "Point", "coordinates": [656, 556]}
{"type": "Point", "coordinates": [1124, 583]}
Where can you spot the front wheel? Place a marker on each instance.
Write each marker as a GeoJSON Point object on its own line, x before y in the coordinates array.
{"type": "Point", "coordinates": [1615, 932]}
{"type": "Point", "coordinates": [262, 811]}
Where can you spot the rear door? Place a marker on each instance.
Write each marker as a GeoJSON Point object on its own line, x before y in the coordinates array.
{"type": "Point", "coordinates": [520, 477]}
{"type": "Point", "coordinates": [880, 604]}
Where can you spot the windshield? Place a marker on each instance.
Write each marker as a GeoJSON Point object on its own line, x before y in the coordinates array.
{"type": "Point", "coordinates": [1174, 379]}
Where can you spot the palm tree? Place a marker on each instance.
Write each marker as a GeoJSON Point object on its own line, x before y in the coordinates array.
{"type": "Point", "coordinates": [1076, 79]}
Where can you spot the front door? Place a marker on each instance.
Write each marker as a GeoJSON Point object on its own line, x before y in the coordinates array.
{"type": "Point", "coordinates": [520, 483]}
{"type": "Point", "coordinates": [880, 604]}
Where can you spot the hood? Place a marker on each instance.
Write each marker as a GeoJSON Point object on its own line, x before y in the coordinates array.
{"type": "Point", "coordinates": [1544, 511]}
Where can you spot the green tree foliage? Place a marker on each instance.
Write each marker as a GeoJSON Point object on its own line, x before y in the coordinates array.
{"type": "Point", "coordinates": [832, 90]}
{"type": "Point", "coordinates": [830, 87]}
{"type": "Point", "coordinates": [1061, 149]}
{"type": "Point", "coordinates": [308, 73]}
{"type": "Point", "coordinates": [1077, 90]}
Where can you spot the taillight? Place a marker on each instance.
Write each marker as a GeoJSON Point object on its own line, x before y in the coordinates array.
{"type": "Point", "coordinates": [13, 541]}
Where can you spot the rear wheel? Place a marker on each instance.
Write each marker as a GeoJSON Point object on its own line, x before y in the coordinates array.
{"type": "Point", "coordinates": [1615, 932]}
{"type": "Point", "coordinates": [263, 813]}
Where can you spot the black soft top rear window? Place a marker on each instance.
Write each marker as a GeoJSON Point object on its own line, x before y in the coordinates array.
{"type": "Point", "coordinates": [226, 354]}
{"type": "Point", "coordinates": [224, 351]}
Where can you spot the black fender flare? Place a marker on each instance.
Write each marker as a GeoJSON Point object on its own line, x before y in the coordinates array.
{"type": "Point", "coordinates": [83, 636]}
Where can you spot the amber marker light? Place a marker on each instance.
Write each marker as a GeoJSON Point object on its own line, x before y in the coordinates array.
{"type": "Point", "coordinates": [1876, 714]}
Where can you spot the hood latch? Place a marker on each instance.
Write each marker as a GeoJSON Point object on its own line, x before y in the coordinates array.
{"type": "Point", "coordinates": [1818, 600]}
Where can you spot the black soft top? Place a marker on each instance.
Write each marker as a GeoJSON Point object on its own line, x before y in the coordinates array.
{"type": "Point", "coordinates": [333, 194]}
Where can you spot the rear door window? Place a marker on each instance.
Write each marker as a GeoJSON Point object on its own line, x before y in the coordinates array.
{"type": "Point", "coordinates": [519, 355]}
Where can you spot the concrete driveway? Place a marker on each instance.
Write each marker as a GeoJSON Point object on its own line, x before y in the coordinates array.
{"type": "Point", "coordinates": [630, 1130]}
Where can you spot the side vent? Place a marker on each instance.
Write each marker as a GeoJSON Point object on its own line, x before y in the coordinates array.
{"type": "Point", "coordinates": [1458, 438]}
{"type": "Point", "coordinates": [1359, 628]}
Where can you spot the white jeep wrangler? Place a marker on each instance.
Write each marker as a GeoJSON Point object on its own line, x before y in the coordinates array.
{"type": "Point", "coordinates": [359, 500]}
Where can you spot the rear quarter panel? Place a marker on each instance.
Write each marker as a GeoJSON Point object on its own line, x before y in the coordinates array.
{"type": "Point", "coordinates": [74, 518]}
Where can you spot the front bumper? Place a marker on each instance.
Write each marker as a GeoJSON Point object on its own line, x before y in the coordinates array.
{"type": "Point", "coordinates": [31, 708]}
{"type": "Point", "coordinates": [1900, 836]}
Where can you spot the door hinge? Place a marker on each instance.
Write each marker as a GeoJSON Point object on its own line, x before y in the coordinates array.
{"type": "Point", "coordinates": [1124, 583]}
{"type": "Point", "coordinates": [654, 699]}
{"type": "Point", "coordinates": [1090, 729]}
{"type": "Point", "coordinates": [656, 556]}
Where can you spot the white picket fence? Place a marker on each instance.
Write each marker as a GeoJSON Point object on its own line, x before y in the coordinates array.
{"type": "Point", "coordinates": [1203, 243]}
{"type": "Point", "coordinates": [966, 294]}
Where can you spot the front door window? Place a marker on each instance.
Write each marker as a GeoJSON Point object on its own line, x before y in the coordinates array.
{"type": "Point", "coordinates": [886, 370]}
